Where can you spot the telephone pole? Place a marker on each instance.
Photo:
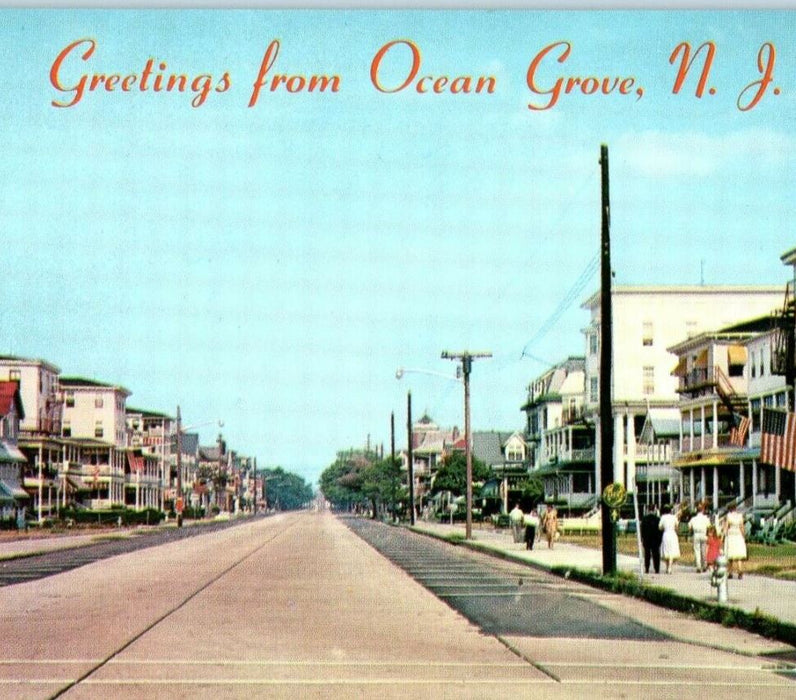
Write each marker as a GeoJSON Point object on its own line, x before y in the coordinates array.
{"type": "Point", "coordinates": [410, 458]}
{"type": "Point", "coordinates": [606, 358]}
{"type": "Point", "coordinates": [466, 358]}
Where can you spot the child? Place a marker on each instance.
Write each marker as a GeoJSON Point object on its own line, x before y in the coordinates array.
{"type": "Point", "coordinates": [713, 547]}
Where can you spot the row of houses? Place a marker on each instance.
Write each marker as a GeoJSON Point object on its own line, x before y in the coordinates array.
{"type": "Point", "coordinates": [694, 368]}
{"type": "Point", "coordinates": [70, 441]}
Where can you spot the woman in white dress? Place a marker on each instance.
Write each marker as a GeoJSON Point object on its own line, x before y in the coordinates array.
{"type": "Point", "coordinates": [734, 542]}
{"type": "Point", "coordinates": [670, 545]}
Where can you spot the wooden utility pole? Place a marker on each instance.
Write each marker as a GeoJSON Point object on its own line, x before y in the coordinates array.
{"type": "Point", "coordinates": [606, 358]}
{"type": "Point", "coordinates": [466, 358]}
{"type": "Point", "coordinates": [410, 457]}
{"type": "Point", "coordinates": [178, 505]}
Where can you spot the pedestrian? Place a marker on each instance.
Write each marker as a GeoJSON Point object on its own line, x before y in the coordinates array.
{"type": "Point", "coordinates": [670, 544]}
{"type": "Point", "coordinates": [734, 542]}
{"type": "Point", "coordinates": [550, 526]}
{"type": "Point", "coordinates": [651, 539]}
{"type": "Point", "coordinates": [698, 527]}
{"type": "Point", "coordinates": [531, 526]}
{"type": "Point", "coordinates": [713, 548]}
{"type": "Point", "coordinates": [515, 518]}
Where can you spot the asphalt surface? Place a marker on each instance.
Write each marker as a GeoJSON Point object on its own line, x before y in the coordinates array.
{"type": "Point", "coordinates": [501, 598]}
{"type": "Point", "coordinates": [47, 563]}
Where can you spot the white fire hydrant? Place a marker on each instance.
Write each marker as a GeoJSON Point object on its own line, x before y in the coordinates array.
{"type": "Point", "coordinates": [718, 579]}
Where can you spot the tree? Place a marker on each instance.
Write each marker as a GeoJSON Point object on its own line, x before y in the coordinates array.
{"type": "Point", "coordinates": [361, 478]}
{"type": "Point", "coordinates": [531, 492]}
{"type": "Point", "coordinates": [285, 490]}
{"type": "Point", "coordinates": [452, 475]}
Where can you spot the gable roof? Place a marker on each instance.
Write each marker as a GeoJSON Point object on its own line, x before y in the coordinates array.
{"type": "Point", "coordinates": [9, 395]}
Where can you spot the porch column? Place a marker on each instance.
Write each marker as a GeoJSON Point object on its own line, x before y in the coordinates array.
{"type": "Point", "coordinates": [715, 424]}
{"type": "Point", "coordinates": [691, 430]}
{"type": "Point", "coordinates": [702, 430]}
{"type": "Point", "coordinates": [619, 449]}
{"type": "Point", "coordinates": [631, 453]}
{"type": "Point", "coordinates": [715, 488]}
{"type": "Point", "coordinates": [742, 477]}
{"type": "Point", "coordinates": [777, 482]}
{"type": "Point", "coordinates": [754, 483]}
{"type": "Point", "coordinates": [703, 491]}
{"type": "Point", "coordinates": [692, 485]}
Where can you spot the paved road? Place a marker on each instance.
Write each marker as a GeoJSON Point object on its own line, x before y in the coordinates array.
{"type": "Point", "coordinates": [299, 606]}
{"type": "Point", "coordinates": [56, 555]}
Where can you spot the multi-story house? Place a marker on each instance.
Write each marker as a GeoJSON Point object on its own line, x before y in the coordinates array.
{"type": "Point", "coordinates": [40, 429]}
{"type": "Point", "coordinates": [560, 438]}
{"type": "Point", "coordinates": [714, 391]}
{"type": "Point", "coordinates": [94, 423]}
{"type": "Point", "coordinates": [429, 443]}
{"type": "Point", "coordinates": [646, 323]}
{"type": "Point", "coordinates": [13, 498]}
{"type": "Point", "coordinates": [153, 435]}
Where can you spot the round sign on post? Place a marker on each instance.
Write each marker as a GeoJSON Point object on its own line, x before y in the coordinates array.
{"type": "Point", "coordinates": [614, 496]}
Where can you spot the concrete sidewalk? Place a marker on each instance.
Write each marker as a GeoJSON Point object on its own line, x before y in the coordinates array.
{"type": "Point", "coordinates": [768, 595]}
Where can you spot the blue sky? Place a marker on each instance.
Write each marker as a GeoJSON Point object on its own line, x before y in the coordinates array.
{"type": "Point", "coordinates": [273, 266]}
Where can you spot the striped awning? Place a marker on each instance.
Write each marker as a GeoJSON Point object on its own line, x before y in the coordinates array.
{"type": "Point", "coordinates": [701, 359]}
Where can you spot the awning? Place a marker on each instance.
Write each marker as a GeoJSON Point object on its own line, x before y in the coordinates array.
{"type": "Point", "coordinates": [13, 491]}
{"type": "Point", "coordinates": [736, 355]}
{"type": "Point", "coordinates": [681, 368]}
{"type": "Point", "coordinates": [701, 359]}
{"type": "Point", "coordinates": [10, 453]}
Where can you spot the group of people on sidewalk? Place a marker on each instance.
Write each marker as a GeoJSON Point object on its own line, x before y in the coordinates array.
{"type": "Point", "coordinates": [660, 540]}
{"type": "Point", "coordinates": [530, 527]}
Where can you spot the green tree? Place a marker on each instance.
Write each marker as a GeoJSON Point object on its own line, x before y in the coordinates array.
{"type": "Point", "coordinates": [341, 482]}
{"type": "Point", "coordinates": [382, 484]}
{"type": "Point", "coordinates": [531, 492]}
{"type": "Point", "coordinates": [452, 475]}
{"type": "Point", "coordinates": [285, 490]}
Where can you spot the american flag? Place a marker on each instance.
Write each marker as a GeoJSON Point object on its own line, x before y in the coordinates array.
{"type": "Point", "coordinates": [778, 442]}
{"type": "Point", "coordinates": [739, 430]}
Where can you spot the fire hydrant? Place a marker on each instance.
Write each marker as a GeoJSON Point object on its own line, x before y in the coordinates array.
{"type": "Point", "coordinates": [718, 579]}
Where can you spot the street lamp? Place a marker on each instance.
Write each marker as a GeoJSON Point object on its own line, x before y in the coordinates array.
{"type": "Point", "coordinates": [178, 505]}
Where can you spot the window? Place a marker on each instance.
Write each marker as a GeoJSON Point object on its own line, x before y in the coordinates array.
{"type": "Point", "coordinates": [98, 430]}
{"type": "Point", "coordinates": [70, 399]}
{"type": "Point", "coordinates": [98, 401]}
{"type": "Point", "coordinates": [14, 375]}
{"type": "Point", "coordinates": [690, 329]}
{"type": "Point", "coordinates": [754, 365]}
{"type": "Point", "coordinates": [646, 334]}
{"type": "Point", "coordinates": [594, 343]}
{"type": "Point", "coordinates": [594, 389]}
{"type": "Point", "coordinates": [648, 380]}
{"type": "Point", "coordinates": [66, 429]}
{"type": "Point", "coordinates": [754, 404]}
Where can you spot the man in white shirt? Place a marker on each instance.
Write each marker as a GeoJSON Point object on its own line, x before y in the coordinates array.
{"type": "Point", "coordinates": [698, 527]}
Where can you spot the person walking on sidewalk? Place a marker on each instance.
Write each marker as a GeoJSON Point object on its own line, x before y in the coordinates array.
{"type": "Point", "coordinates": [651, 539]}
{"type": "Point", "coordinates": [550, 525]}
{"type": "Point", "coordinates": [698, 527]}
{"type": "Point", "coordinates": [516, 519]}
{"type": "Point", "coordinates": [734, 542]}
{"type": "Point", "coordinates": [670, 544]}
{"type": "Point", "coordinates": [531, 526]}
